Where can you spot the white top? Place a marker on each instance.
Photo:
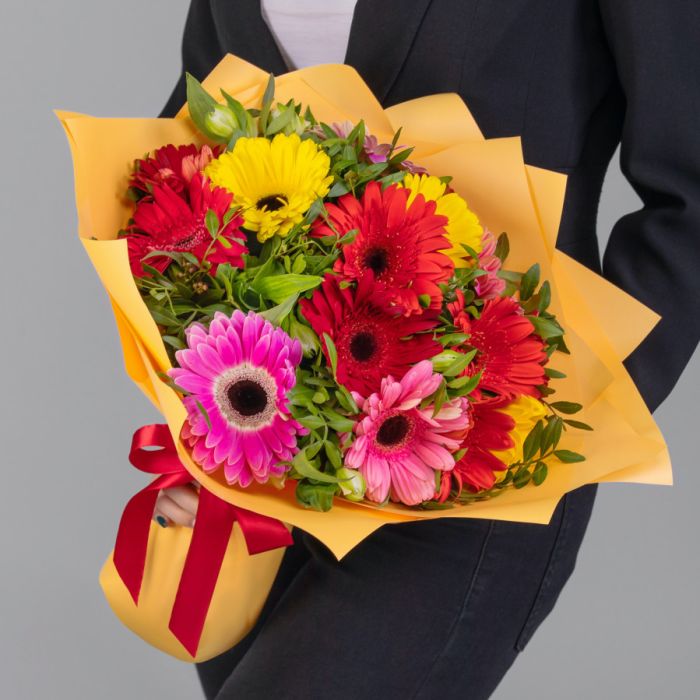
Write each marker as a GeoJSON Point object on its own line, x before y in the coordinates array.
{"type": "Point", "coordinates": [309, 32]}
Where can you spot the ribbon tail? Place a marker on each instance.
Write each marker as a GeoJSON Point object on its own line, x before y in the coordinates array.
{"type": "Point", "coordinates": [210, 538]}
{"type": "Point", "coordinates": [131, 546]}
{"type": "Point", "coordinates": [261, 532]}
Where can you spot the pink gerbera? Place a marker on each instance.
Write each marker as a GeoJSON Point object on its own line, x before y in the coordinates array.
{"type": "Point", "coordinates": [169, 223]}
{"type": "Point", "coordinates": [490, 285]}
{"type": "Point", "coordinates": [172, 165]}
{"type": "Point", "coordinates": [371, 343]}
{"type": "Point", "coordinates": [399, 447]}
{"type": "Point", "coordinates": [399, 243]}
{"type": "Point", "coordinates": [238, 375]}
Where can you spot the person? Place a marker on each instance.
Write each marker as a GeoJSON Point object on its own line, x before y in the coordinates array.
{"type": "Point", "coordinates": [441, 609]}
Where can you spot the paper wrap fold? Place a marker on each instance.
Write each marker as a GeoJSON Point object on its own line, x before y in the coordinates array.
{"type": "Point", "coordinates": [603, 324]}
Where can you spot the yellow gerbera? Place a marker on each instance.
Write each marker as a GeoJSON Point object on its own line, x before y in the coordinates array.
{"type": "Point", "coordinates": [463, 226]}
{"type": "Point", "coordinates": [273, 181]}
{"type": "Point", "coordinates": [525, 411]}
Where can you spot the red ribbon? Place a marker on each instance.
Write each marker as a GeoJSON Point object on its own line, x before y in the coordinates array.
{"type": "Point", "coordinates": [153, 451]}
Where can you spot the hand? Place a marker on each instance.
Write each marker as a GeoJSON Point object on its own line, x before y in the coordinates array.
{"type": "Point", "coordinates": [177, 506]}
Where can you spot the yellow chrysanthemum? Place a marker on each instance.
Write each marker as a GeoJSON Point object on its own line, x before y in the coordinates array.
{"type": "Point", "coordinates": [525, 411]}
{"type": "Point", "coordinates": [273, 181]}
{"type": "Point", "coordinates": [463, 226]}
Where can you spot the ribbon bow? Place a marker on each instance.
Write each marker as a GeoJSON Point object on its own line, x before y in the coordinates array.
{"type": "Point", "coordinates": [210, 536]}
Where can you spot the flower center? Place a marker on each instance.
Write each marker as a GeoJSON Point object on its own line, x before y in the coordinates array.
{"type": "Point", "coordinates": [363, 346]}
{"type": "Point", "coordinates": [377, 260]}
{"type": "Point", "coordinates": [183, 237]}
{"type": "Point", "coordinates": [272, 202]}
{"type": "Point", "coordinates": [393, 431]}
{"type": "Point", "coordinates": [246, 397]}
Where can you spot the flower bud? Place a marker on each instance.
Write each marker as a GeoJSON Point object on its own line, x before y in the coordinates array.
{"type": "Point", "coordinates": [352, 484]}
{"type": "Point", "coordinates": [221, 122]}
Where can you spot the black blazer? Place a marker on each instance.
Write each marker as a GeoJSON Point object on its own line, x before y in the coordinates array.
{"type": "Point", "coordinates": [574, 78]}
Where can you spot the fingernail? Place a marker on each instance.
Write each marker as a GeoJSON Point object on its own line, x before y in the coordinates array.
{"type": "Point", "coordinates": [161, 521]}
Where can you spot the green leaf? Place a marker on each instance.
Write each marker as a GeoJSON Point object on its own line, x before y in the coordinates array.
{"type": "Point", "coordinates": [201, 104]}
{"type": "Point", "coordinates": [545, 328]}
{"type": "Point", "coordinates": [545, 295]}
{"type": "Point", "coordinates": [203, 411]}
{"type": "Point", "coordinates": [568, 456]}
{"type": "Point", "coordinates": [460, 364]}
{"type": "Point", "coordinates": [554, 373]}
{"type": "Point", "coordinates": [521, 478]}
{"type": "Point", "coordinates": [440, 398]}
{"type": "Point", "coordinates": [577, 424]}
{"type": "Point", "coordinates": [302, 465]}
{"type": "Point", "coordinates": [278, 288]}
{"type": "Point", "coordinates": [338, 189]}
{"type": "Point", "coordinates": [278, 313]}
{"type": "Point", "coordinates": [312, 422]}
{"type": "Point", "coordinates": [529, 282]}
{"type": "Point", "coordinates": [268, 96]}
{"type": "Point", "coordinates": [502, 247]}
{"type": "Point", "coordinates": [539, 473]}
{"type": "Point", "coordinates": [174, 342]}
{"type": "Point", "coordinates": [567, 407]}
{"type": "Point", "coordinates": [453, 339]}
{"type": "Point", "coordinates": [316, 496]}
{"type": "Point", "coordinates": [532, 441]}
{"type": "Point", "coordinates": [550, 434]}
{"type": "Point", "coordinates": [332, 352]}
{"type": "Point", "coordinates": [211, 220]}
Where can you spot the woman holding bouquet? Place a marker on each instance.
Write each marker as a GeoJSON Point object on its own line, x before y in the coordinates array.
{"type": "Point", "coordinates": [441, 609]}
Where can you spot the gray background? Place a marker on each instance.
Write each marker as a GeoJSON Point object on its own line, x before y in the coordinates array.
{"type": "Point", "coordinates": [626, 625]}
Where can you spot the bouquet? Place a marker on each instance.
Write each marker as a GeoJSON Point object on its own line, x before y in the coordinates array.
{"type": "Point", "coordinates": [352, 316]}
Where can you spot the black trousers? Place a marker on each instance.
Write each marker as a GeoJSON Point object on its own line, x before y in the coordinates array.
{"type": "Point", "coordinates": [427, 611]}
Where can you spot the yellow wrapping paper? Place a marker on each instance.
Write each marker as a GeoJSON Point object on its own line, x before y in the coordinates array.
{"type": "Point", "coordinates": [603, 324]}
{"type": "Point", "coordinates": [241, 591]}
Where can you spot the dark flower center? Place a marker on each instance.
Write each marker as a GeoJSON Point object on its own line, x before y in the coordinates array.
{"type": "Point", "coordinates": [272, 202]}
{"type": "Point", "coordinates": [393, 430]}
{"type": "Point", "coordinates": [363, 346]}
{"type": "Point", "coordinates": [247, 397]}
{"type": "Point", "coordinates": [377, 260]}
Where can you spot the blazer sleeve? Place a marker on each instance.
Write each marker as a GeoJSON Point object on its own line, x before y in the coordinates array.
{"type": "Point", "coordinates": [654, 253]}
{"type": "Point", "coordinates": [201, 52]}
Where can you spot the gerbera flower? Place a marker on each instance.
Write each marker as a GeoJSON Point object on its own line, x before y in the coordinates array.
{"type": "Point", "coordinates": [399, 447]}
{"type": "Point", "coordinates": [170, 223]}
{"type": "Point", "coordinates": [274, 182]}
{"type": "Point", "coordinates": [370, 343]}
{"type": "Point", "coordinates": [239, 372]}
{"type": "Point", "coordinates": [399, 243]}
{"type": "Point", "coordinates": [171, 165]}
{"type": "Point", "coordinates": [496, 439]}
{"type": "Point", "coordinates": [511, 355]}
{"type": "Point", "coordinates": [490, 285]}
{"type": "Point", "coordinates": [463, 225]}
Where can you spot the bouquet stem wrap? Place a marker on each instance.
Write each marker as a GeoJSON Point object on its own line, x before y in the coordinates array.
{"type": "Point", "coordinates": [211, 533]}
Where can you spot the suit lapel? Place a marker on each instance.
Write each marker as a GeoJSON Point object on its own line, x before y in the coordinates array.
{"type": "Point", "coordinates": [380, 38]}
{"type": "Point", "coordinates": [243, 31]}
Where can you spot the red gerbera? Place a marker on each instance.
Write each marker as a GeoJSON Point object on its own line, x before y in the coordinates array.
{"type": "Point", "coordinates": [172, 165]}
{"type": "Point", "coordinates": [170, 223]}
{"type": "Point", "coordinates": [400, 244]}
{"type": "Point", "coordinates": [371, 343]}
{"type": "Point", "coordinates": [511, 355]}
{"type": "Point", "coordinates": [490, 431]}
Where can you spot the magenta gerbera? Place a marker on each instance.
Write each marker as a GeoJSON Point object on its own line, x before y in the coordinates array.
{"type": "Point", "coordinates": [399, 446]}
{"type": "Point", "coordinates": [238, 374]}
